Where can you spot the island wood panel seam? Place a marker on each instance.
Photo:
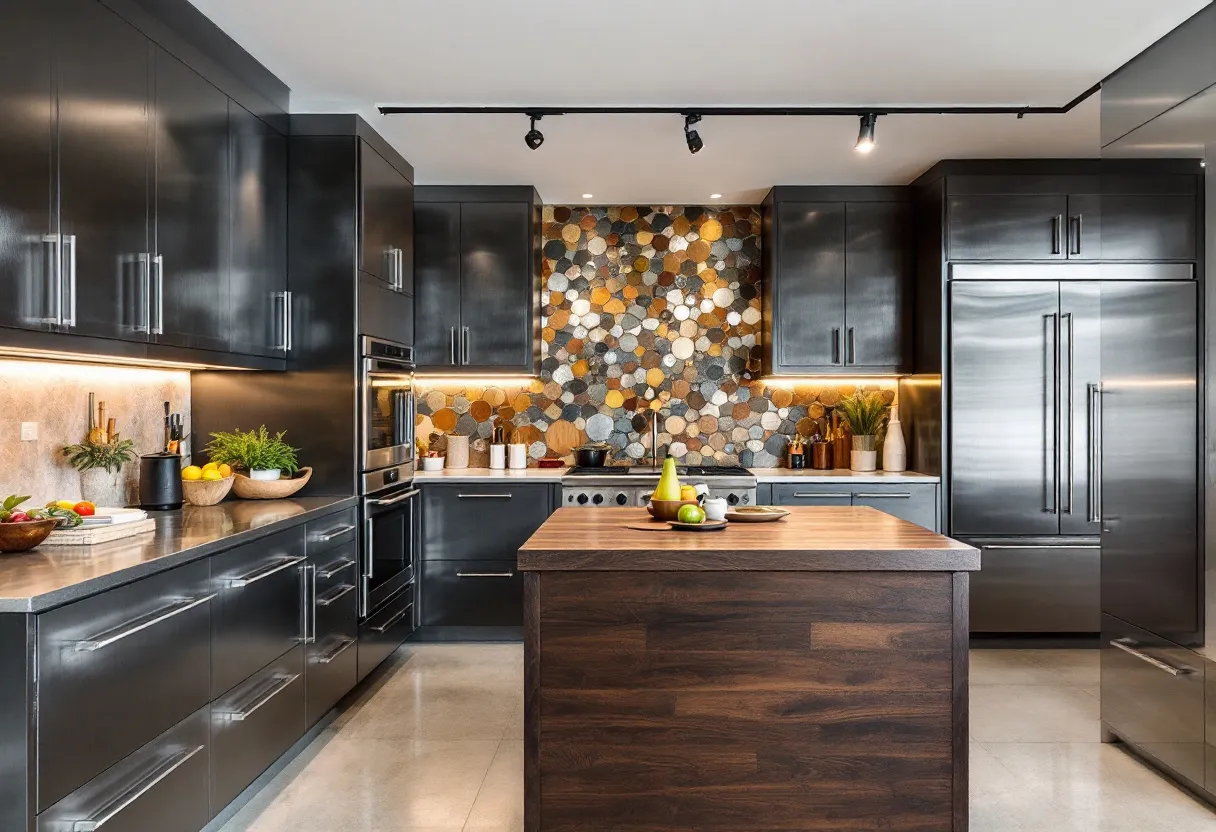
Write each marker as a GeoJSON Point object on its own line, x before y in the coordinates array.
{"type": "Point", "coordinates": [636, 730]}
{"type": "Point", "coordinates": [961, 658]}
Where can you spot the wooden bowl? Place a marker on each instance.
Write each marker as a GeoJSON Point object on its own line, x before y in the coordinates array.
{"type": "Point", "coordinates": [206, 492]}
{"type": "Point", "coordinates": [248, 489]}
{"type": "Point", "coordinates": [667, 510]}
{"type": "Point", "coordinates": [21, 537]}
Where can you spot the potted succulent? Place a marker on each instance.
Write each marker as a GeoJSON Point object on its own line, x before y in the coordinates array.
{"type": "Point", "coordinates": [100, 465]}
{"type": "Point", "coordinates": [864, 413]}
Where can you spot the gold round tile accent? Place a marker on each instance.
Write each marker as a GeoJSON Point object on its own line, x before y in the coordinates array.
{"type": "Point", "coordinates": [710, 230]}
{"type": "Point", "coordinates": [681, 226]}
{"type": "Point", "coordinates": [563, 437]}
{"type": "Point", "coordinates": [614, 399]}
{"type": "Point", "coordinates": [698, 252]}
{"type": "Point", "coordinates": [571, 234]}
{"type": "Point", "coordinates": [654, 376]}
{"type": "Point", "coordinates": [445, 419]}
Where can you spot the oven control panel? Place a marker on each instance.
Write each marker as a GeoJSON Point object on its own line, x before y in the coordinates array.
{"type": "Point", "coordinates": [577, 496]}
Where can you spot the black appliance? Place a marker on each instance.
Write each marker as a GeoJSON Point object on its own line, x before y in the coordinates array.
{"type": "Point", "coordinates": [388, 563]}
{"type": "Point", "coordinates": [160, 482]}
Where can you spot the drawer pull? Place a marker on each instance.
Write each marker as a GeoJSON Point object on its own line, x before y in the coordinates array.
{"type": "Point", "coordinates": [277, 686]}
{"type": "Point", "coordinates": [346, 644]}
{"type": "Point", "coordinates": [264, 572]}
{"type": "Point", "coordinates": [1041, 546]}
{"type": "Point", "coordinates": [335, 568]}
{"type": "Point", "coordinates": [821, 494]}
{"type": "Point", "coordinates": [380, 628]}
{"type": "Point", "coordinates": [485, 574]}
{"type": "Point", "coordinates": [891, 495]}
{"type": "Point", "coordinates": [1128, 646]}
{"type": "Point", "coordinates": [333, 595]}
{"type": "Point", "coordinates": [135, 792]}
{"type": "Point", "coordinates": [506, 496]}
{"type": "Point", "coordinates": [135, 625]}
{"type": "Point", "coordinates": [400, 498]}
{"type": "Point", "coordinates": [338, 531]}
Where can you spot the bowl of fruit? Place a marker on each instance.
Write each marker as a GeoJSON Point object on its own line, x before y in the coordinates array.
{"type": "Point", "coordinates": [23, 529]}
{"type": "Point", "coordinates": [207, 485]}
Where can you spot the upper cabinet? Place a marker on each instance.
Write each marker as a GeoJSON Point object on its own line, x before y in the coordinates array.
{"type": "Point", "coordinates": [386, 221]}
{"type": "Point", "coordinates": [477, 278]}
{"type": "Point", "coordinates": [837, 272]}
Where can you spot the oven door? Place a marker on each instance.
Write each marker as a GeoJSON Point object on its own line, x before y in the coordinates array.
{"type": "Point", "coordinates": [388, 413]}
{"type": "Point", "coordinates": [391, 522]}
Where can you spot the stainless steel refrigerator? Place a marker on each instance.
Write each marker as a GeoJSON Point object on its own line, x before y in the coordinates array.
{"type": "Point", "coordinates": [1071, 400]}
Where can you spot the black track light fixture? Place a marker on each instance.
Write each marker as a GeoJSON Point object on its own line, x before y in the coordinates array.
{"type": "Point", "coordinates": [534, 138]}
{"type": "Point", "coordinates": [691, 137]}
{"type": "Point", "coordinates": [865, 136]}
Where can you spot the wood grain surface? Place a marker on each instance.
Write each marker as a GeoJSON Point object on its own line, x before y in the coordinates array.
{"type": "Point", "coordinates": [812, 538]}
{"type": "Point", "coordinates": [743, 701]}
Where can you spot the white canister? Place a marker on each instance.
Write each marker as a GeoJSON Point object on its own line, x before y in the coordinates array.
{"type": "Point", "coordinates": [517, 456]}
{"type": "Point", "coordinates": [458, 452]}
{"type": "Point", "coordinates": [498, 457]}
{"type": "Point", "coordinates": [715, 509]}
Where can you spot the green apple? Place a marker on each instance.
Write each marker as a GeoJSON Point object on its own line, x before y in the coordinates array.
{"type": "Point", "coordinates": [692, 514]}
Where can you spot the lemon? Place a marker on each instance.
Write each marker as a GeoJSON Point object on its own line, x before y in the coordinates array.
{"type": "Point", "coordinates": [65, 504]}
{"type": "Point", "coordinates": [213, 474]}
{"type": "Point", "coordinates": [225, 470]}
{"type": "Point", "coordinates": [210, 466]}
{"type": "Point", "coordinates": [192, 472]}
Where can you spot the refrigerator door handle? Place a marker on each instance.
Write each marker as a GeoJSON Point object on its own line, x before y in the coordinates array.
{"type": "Point", "coordinates": [1094, 431]}
{"type": "Point", "coordinates": [1066, 444]}
{"type": "Point", "coordinates": [1051, 418]}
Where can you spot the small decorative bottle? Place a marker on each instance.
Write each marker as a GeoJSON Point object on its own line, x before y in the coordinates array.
{"type": "Point", "coordinates": [894, 452]}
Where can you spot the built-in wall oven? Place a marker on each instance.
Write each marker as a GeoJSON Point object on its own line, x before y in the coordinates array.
{"type": "Point", "coordinates": [387, 417]}
{"type": "Point", "coordinates": [391, 525]}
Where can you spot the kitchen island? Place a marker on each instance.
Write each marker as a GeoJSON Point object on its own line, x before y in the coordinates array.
{"type": "Point", "coordinates": [809, 674]}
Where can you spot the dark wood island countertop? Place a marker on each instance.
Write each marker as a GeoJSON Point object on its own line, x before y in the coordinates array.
{"type": "Point", "coordinates": [809, 674]}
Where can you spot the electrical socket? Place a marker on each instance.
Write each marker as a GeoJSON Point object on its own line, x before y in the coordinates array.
{"type": "Point", "coordinates": [29, 431]}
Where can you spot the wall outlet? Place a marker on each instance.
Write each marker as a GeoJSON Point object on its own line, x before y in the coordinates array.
{"type": "Point", "coordinates": [29, 431]}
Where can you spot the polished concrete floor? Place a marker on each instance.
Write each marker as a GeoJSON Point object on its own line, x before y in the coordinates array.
{"type": "Point", "coordinates": [436, 744]}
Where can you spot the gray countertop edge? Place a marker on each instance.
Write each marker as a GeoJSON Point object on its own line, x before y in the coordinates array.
{"type": "Point", "coordinates": [121, 577]}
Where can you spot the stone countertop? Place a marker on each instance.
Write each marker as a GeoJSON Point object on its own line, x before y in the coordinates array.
{"type": "Point", "coordinates": [475, 475]}
{"type": "Point", "coordinates": [840, 476]}
{"type": "Point", "coordinates": [49, 576]}
{"type": "Point", "coordinates": [810, 539]}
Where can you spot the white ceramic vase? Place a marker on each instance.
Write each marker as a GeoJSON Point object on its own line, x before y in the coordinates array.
{"type": "Point", "coordinates": [103, 488]}
{"type": "Point", "coordinates": [864, 456]}
{"type": "Point", "coordinates": [894, 451]}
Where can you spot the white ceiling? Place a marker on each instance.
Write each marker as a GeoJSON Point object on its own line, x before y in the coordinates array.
{"type": "Point", "coordinates": [353, 55]}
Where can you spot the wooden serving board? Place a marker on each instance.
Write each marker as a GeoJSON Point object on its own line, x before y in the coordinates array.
{"type": "Point", "coordinates": [98, 534]}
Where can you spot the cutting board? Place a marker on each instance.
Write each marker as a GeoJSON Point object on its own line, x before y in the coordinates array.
{"type": "Point", "coordinates": [98, 534]}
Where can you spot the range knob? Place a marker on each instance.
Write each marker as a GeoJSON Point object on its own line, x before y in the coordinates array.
{"type": "Point", "coordinates": [733, 499]}
{"type": "Point", "coordinates": [597, 499]}
{"type": "Point", "coordinates": [621, 499]}
{"type": "Point", "coordinates": [582, 499]}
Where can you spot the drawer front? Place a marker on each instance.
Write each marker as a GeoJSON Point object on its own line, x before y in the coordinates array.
{"type": "Point", "coordinates": [334, 591]}
{"type": "Point", "coordinates": [333, 531]}
{"type": "Point", "coordinates": [385, 629]}
{"type": "Point", "coordinates": [258, 611]}
{"type": "Point", "coordinates": [472, 593]}
{"type": "Point", "coordinates": [162, 787]}
{"type": "Point", "coordinates": [481, 522]}
{"type": "Point", "coordinates": [333, 670]}
{"type": "Point", "coordinates": [1038, 588]}
{"type": "Point", "coordinates": [117, 670]}
{"type": "Point", "coordinates": [254, 723]}
{"type": "Point", "coordinates": [914, 503]}
{"type": "Point", "coordinates": [786, 494]}
{"type": "Point", "coordinates": [1152, 696]}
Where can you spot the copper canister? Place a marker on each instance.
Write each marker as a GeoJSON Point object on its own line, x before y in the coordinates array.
{"type": "Point", "coordinates": [842, 446]}
{"type": "Point", "coordinates": [821, 456]}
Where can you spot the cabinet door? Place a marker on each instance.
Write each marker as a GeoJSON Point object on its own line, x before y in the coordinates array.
{"type": "Point", "coordinates": [26, 206]}
{"type": "Point", "coordinates": [104, 165]}
{"type": "Point", "coordinates": [472, 593]}
{"type": "Point", "coordinates": [1007, 227]}
{"type": "Point", "coordinates": [1036, 587]}
{"type": "Point", "coordinates": [385, 312]}
{"type": "Point", "coordinates": [1150, 227]}
{"type": "Point", "coordinates": [403, 233]}
{"type": "Point", "coordinates": [483, 522]}
{"type": "Point", "coordinates": [436, 283]}
{"type": "Point", "coordinates": [259, 234]}
{"type": "Point", "coordinates": [497, 285]}
{"type": "Point", "coordinates": [809, 288]}
{"type": "Point", "coordinates": [792, 494]}
{"type": "Point", "coordinates": [876, 274]}
{"type": "Point", "coordinates": [190, 296]}
{"type": "Point", "coordinates": [914, 503]}
{"type": "Point", "coordinates": [379, 183]}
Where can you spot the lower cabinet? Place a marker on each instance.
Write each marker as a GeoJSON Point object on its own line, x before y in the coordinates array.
{"type": "Point", "coordinates": [332, 654]}
{"type": "Point", "coordinates": [1209, 701]}
{"type": "Point", "coordinates": [161, 786]}
{"type": "Point", "coordinates": [472, 593]}
{"type": "Point", "coordinates": [914, 502]}
{"type": "Point", "coordinates": [385, 629]}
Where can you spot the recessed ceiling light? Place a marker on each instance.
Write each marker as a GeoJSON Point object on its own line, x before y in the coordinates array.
{"type": "Point", "coordinates": [715, 196]}
{"type": "Point", "coordinates": [588, 196]}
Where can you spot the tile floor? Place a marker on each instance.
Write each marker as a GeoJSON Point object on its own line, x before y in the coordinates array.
{"type": "Point", "coordinates": [435, 745]}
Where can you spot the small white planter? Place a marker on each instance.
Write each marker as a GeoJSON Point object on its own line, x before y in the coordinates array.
{"type": "Point", "coordinates": [264, 474]}
{"type": "Point", "coordinates": [863, 460]}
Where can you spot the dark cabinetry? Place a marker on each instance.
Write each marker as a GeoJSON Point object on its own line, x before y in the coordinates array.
{"type": "Point", "coordinates": [837, 277]}
{"type": "Point", "coordinates": [386, 221]}
{"type": "Point", "coordinates": [477, 276]}
{"type": "Point", "coordinates": [914, 502]}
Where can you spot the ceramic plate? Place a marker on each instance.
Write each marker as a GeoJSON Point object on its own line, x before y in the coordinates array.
{"type": "Point", "coordinates": [707, 526]}
{"type": "Point", "coordinates": [756, 514]}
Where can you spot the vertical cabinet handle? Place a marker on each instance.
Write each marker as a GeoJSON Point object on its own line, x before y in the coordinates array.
{"type": "Point", "coordinates": [452, 345]}
{"type": "Point", "coordinates": [835, 345]}
{"type": "Point", "coordinates": [69, 316]}
{"type": "Point", "coordinates": [1056, 223]}
{"type": "Point", "coordinates": [1076, 228]}
{"type": "Point", "coordinates": [158, 283]}
{"type": "Point", "coordinates": [850, 348]}
{"type": "Point", "coordinates": [288, 327]}
{"type": "Point", "coordinates": [464, 347]}
{"type": "Point", "coordinates": [1094, 394]}
{"type": "Point", "coordinates": [53, 282]}
{"type": "Point", "coordinates": [1066, 383]}
{"type": "Point", "coordinates": [142, 306]}
{"type": "Point", "coordinates": [1051, 419]}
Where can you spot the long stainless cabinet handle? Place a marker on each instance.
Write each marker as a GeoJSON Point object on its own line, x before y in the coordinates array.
{"type": "Point", "coordinates": [280, 684]}
{"type": "Point", "coordinates": [1128, 646]}
{"type": "Point", "coordinates": [158, 270]}
{"type": "Point", "coordinates": [336, 531]}
{"type": "Point", "coordinates": [53, 244]}
{"type": "Point", "coordinates": [1056, 223]}
{"type": "Point", "coordinates": [1094, 393]}
{"type": "Point", "coordinates": [345, 645]}
{"type": "Point", "coordinates": [835, 345]}
{"type": "Point", "coordinates": [485, 574]}
{"type": "Point", "coordinates": [329, 570]}
{"type": "Point", "coordinates": [334, 595]}
{"type": "Point", "coordinates": [1051, 423]}
{"type": "Point", "coordinates": [264, 572]}
{"type": "Point", "coordinates": [452, 345]}
{"type": "Point", "coordinates": [69, 319]}
{"type": "Point", "coordinates": [112, 809]}
{"type": "Point", "coordinates": [383, 627]}
{"type": "Point", "coordinates": [392, 501]}
{"type": "Point", "coordinates": [850, 352]}
{"type": "Point", "coordinates": [464, 345]}
{"type": "Point", "coordinates": [832, 495]}
{"type": "Point", "coordinates": [1041, 546]}
{"type": "Point", "coordinates": [506, 496]}
{"type": "Point", "coordinates": [1067, 433]}
{"type": "Point", "coordinates": [145, 286]}
{"type": "Point", "coordinates": [137, 625]}
{"type": "Point", "coordinates": [876, 495]}
{"type": "Point", "coordinates": [310, 578]}
{"type": "Point", "coordinates": [289, 334]}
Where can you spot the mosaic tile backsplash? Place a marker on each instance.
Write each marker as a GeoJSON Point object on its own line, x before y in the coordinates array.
{"type": "Point", "coordinates": [645, 310]}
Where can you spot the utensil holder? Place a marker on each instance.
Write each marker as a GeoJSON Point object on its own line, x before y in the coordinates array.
{"type": "Point", "coordinates": [498, 457]}
{"type": "Point", "coordinates": [821, 456]}
{"type": "Point", "coordinates": [517, 456]}
{"type": "Point", "coordinates": [458, 451]}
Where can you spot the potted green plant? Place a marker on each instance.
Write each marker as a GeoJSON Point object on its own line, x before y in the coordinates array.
{"type": "Point", "coordinates": [100, 465]}
{"type": "Point", "coordinates": [864, 413]}
{"type": "Point", "coordinates": [262, 455]}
